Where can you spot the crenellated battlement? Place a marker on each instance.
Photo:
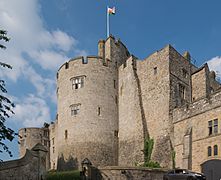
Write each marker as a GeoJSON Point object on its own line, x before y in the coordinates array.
{"type": "Point", "coordinates": [197, 107]}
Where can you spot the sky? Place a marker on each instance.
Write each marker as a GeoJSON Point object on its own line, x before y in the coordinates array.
{"type": "Point", "coordinates": [46, 33]}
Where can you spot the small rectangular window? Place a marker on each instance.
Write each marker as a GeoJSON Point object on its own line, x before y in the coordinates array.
{"type": "Point", "coordinates": [185, 73]}
{"type": "Point", "coordinates": [116, 133]}
{"type": "Point", "coordinates": [209, 151]}
{"type": "Point", "coordinates": [53, 149]}
{"type": "Point", "coordinates": [210, 127]}
{"type": "Point", "coordinates": [182, 91]}
{"type": "Point", "coordinates": [45, 133]}
{"type": "Point", "coordinates": [75, 109]}
{"type": "Point", "coordinates": [155, 70]}
{"type": "Point", "coordinates": [215, 149]}
{"type": "Point", "coordinates": [45, 143]}
{"type": "Point", "coordinates": [215, 126]}
{"type": "Point", "coordinates": [52, 141]}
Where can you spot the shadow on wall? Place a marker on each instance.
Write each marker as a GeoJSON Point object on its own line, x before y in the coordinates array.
{"type": "Point", "coordinates": [69, 164]}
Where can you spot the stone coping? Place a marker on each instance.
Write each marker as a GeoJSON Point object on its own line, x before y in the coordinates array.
{"type": "Point", "coordinates": [132, 168]}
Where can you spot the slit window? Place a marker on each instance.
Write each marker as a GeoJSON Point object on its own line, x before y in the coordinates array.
{"type": "Point", "coordinates": [75, 109]}
{"type": "Point", "coordinates": [99, 111]}
{"type": "Point", "coordinates": [155, 70]}
{"type": "Point", "coordinates": [209, 151]}
{"type": "Point", "coordinates": [66, 134]}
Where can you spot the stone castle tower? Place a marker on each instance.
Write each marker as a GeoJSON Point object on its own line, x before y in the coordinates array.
{"type": "Point", "coordinates": [109, 104]}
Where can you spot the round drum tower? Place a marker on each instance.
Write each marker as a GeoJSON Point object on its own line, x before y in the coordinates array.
{"type": "Point", "coordinates": [87, 112]}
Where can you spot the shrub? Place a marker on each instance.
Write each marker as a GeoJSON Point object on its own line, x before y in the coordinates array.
{"type": "Point", "coordinates": [63, 175]}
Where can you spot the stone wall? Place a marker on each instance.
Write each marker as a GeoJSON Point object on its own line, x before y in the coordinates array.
{"type": "Point", "coordinates": [196, 117]}
{"type": "Point", "coordinates": [93, 131]}
{"type": "Point", "coordinates": [29, 137]}
{"type": "Point", "coordinates": [133, 173]}
{"type": "Point", "coordinates": [32, 166]}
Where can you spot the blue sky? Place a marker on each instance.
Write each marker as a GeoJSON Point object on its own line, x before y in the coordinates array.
{"type": "Point", "coordinates": [46, 33]}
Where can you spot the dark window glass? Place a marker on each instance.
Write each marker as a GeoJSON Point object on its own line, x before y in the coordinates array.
{"type": "Point", "coordinates": [215, 150]}
{"type": "Point", "coordinates": [155, 70]}
{"type": "Point", "coordinates": [209, 151]}
{"type": "Point", "coordinates": [210, 127]}
{"type": "Point", "coordinates": [215, 125]}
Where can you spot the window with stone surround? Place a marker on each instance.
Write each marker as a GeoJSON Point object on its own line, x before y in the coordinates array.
{"type": "Point", "coordinates": [181, 91]}
{"type": "Point", "coordinates": [78, 82]}
{"type": "Point", "coordinates": [215, 150]}
{"type": "Point", "coordinates": [210, 127]}
{"type": "Point", "coordinates": [213, 126]}
{"type": "Point", "coordinates": [75, 109]}
{"type": "Point", "coordinates": [209, 151]}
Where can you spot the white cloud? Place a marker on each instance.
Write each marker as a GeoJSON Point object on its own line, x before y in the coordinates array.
{"type": "Point", "coordinates": [215, 65]}
{"type": "Point", "coordinates": [33, 49]}
{"type": "Point", "coordinates": [31, 112]}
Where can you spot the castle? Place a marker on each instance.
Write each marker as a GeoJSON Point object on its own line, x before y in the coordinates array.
{"type": "Point", "coordinates": [109, 104]}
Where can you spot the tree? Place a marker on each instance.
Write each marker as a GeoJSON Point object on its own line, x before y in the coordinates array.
{"type": "Point", "coordinates": [6, 106]}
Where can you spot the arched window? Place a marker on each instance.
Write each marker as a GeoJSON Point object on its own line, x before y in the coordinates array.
{"type": "Point", "coordinates": [209, 151]}
{"type": "Point", "coordinates": [215, 150]}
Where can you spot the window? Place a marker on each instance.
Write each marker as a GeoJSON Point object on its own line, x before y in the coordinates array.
{"type": "Point", "coordinates": [182, 91]}
{"type": "Point", "coordinates": [209, 151]}
{"type": "Point", "coordinates": [116, 133]}
{"type": "Point", "coordinates": [66, 134]}
{"type": "Point", "coordinates": [45, 142]}
{"type": "Point", "coordinates": [210, 127]}
{"type": "Point", "coordinates": [45, 133]}
{"type": "Point", "coordinates": [52, 141]}
{"type": "Point", "coordinates": [77, 82]}
{"type": "Point", "coordinates": [215, 150]}
{"type": "Point", "coordinates": [53, 149]}
{"type": "Point", "coordinates": [75, 109]}
{"type": "Point", "coordinates": [99, 111]}
{"type": "Point", "coordinates": [213, 126]}
{"type": "Point", "coordinates": [155, 70]}
{"type": "Point", "coordinates": [185, 73]}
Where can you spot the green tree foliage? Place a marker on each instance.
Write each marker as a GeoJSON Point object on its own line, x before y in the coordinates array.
{"type": "Point", "coordinates": [6, 106]}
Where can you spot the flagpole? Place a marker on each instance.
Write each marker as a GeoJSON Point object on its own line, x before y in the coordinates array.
{"type": "Point", "coordinates": [108, 24]}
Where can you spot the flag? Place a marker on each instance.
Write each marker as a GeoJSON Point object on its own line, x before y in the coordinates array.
{"type": "Point", "coordinates": [111, 10]}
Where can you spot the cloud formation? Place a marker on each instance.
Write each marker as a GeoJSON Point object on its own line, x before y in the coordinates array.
{"type": "Point", "coordinates": [215, 65]}
{"type": "Point", "coordinates": [35, 54]}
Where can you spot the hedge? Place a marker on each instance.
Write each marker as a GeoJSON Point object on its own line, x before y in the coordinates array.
{"type": "Point", "coordinates": [63, 175]}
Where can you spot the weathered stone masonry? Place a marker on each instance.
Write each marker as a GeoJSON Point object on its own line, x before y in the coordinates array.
{"type": "Point", "coordinates": [108, 104]}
